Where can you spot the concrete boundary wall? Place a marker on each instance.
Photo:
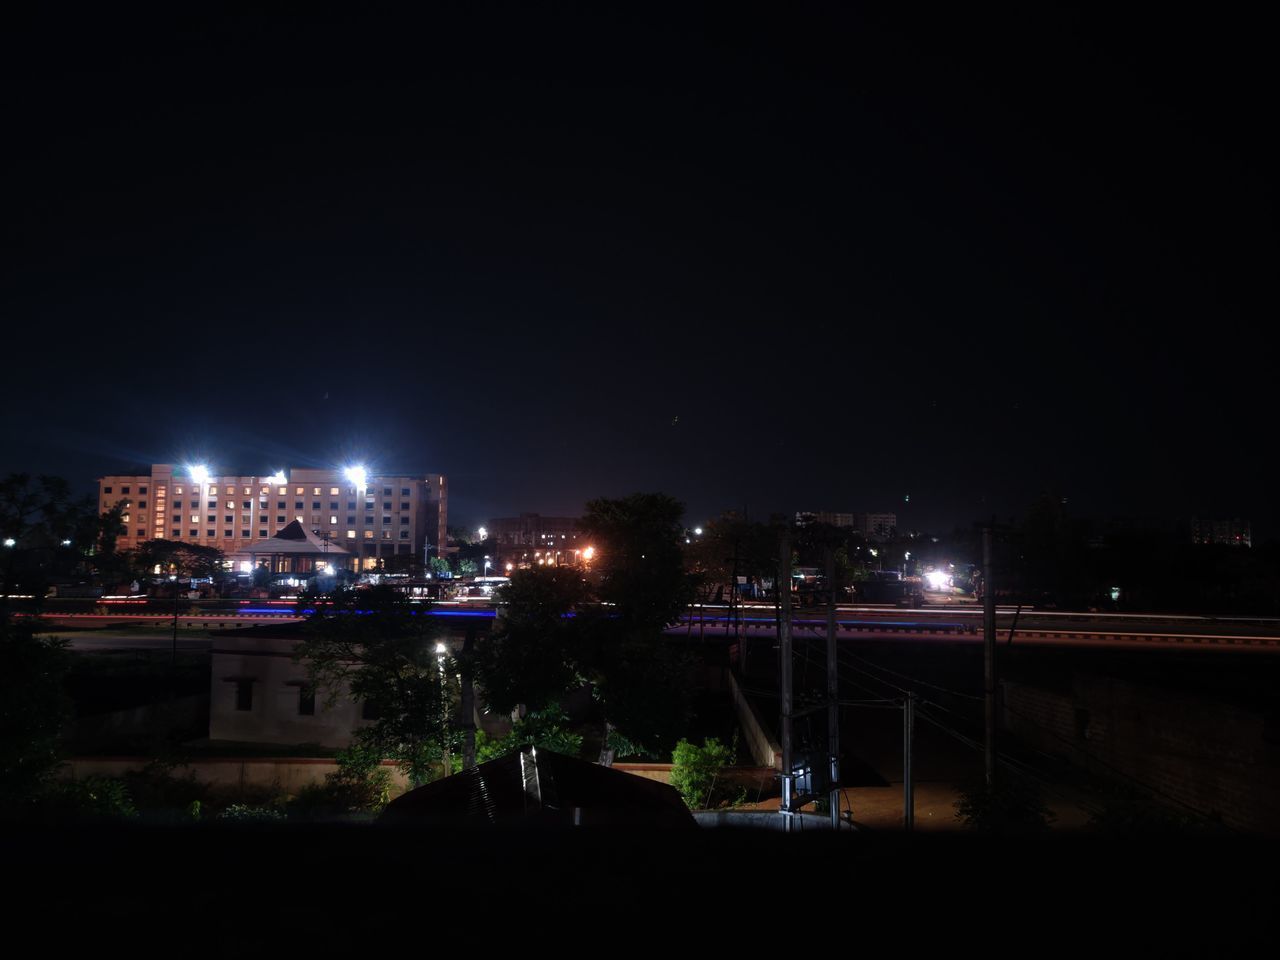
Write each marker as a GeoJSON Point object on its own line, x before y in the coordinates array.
{"type": "Point", "coordinates": [764, 749]}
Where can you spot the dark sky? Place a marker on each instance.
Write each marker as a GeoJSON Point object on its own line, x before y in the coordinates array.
{"type": "Point", "coordinates": [795, 256]}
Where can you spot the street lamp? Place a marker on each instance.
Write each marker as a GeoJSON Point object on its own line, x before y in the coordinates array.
{"type": "Point", "coordinates": [486, 566]}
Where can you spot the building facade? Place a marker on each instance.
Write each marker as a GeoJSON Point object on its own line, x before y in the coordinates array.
{"type": "Point", "coordinates": [530, 537]}
{"type": "Point", "coordinates": [390, 516]}
{"type": "Point", "coordinates": [1234, 533]}
{"type": "Point", "coordinates": [872, 526]}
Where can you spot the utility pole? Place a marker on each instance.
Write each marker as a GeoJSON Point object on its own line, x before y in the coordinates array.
{"type": "Point", "coordinates": [784, 676]}
{"type": "Point", "coordinates": [833, 695]}
{"type": "Point", "coordinates": [989, 656]}
{"type": "Point", "coordinates": [468, 701]}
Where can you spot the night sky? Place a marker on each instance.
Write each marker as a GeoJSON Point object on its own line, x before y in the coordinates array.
{"type": "Point", "coordinates": [795, 256]}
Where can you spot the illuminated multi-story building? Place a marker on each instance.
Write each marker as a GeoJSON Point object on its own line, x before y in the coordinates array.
{"type": "Point", "coordinates": [372, 518]}
{"type": "Point", "coordinates": [530, 537]}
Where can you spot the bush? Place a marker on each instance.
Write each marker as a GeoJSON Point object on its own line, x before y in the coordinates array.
{"type": "Point", "coordinates": [93, 798]}
{"type": "Point", "coordinates": [1014, 806]}
{"type": "Point", "coordinates": [359, 785]}
{"type": "Point", "coordinates": [245, 813]}
{"type": "Point", "coordinates": [156, 789]}
{"type": "Point", "coordinates": [696, 772]}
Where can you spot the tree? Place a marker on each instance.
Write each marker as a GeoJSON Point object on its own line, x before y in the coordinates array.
{"type": "Point", "coordinates": [372, 644]}
{"type": "Point", "coordinates": [613, 640]}
{"type": "Point", "coordinates": [33, 709]}
{"type": "Point", "coordinates": [192, 560]}
{"type": "Point", "coordinates": [51, 532]}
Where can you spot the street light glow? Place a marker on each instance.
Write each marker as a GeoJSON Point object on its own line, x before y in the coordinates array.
{"type": "Point", "coordinates": [358, 475]}
{"type": "Point", "coordinates": [10, 542]}
{"type": "Point", "coordinates": [483, 533]}
{"type": "Point", "coordinates": [697, 531]}
{"type": "Point", "coordinates": [589, 552]}
{"type": "Point", "coordinates": [199, 474]}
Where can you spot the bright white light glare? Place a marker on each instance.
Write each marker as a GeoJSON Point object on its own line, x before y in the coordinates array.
{"type": "Point", "coordinates": [199, 474]}
{"type": "Point", "coordinates": [589, 552]}
{"type": "Point", "coordinates": [697, 531]}
{"type": "Point", "coordinates": [509, 568]}
{"type": "Point", "coordinates": [327, 569]}
{"type": "Point", "coordinates": [441, 648]}
{"type": "Point", "coordinates": [246, 566]}
{"type": "Point", "coordinates": [483, 533]}
{"type": "Point", "coordinates": [937, 579]}
{"type": "Point", "coordinates": [358, 476]}
{"type": "Point", "coordinates": [278, 478]}
{"type": "Point", "coordinates": [66, 543]}
{"type": "Point", "coordinates": [10, 542]}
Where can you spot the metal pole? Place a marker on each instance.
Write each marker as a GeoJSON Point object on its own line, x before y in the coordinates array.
{"type": "Point", "coordinates": [908, 776]}
{"type": "Point", "coordinates": [833, 695]}
{"type": "Point", "coordinates": [468, 700]}
{"type": "Point", "coordinates": [989, 657]}
{"type": "Point", "coordinates": [784, 675]}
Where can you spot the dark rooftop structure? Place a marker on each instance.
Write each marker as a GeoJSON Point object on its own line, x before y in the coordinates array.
{"type": "Point", "coordinates": [533, 787]}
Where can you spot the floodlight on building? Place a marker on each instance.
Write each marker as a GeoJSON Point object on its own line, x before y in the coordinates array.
{"type": "Point", "coordinates": [483, 533]}
{"type": "Point", "coordinates": [278, 478]}
{"type": "Point", "coordinates": [697, 531]}
{"type": "Point", "coordinates": [441, 649]}
{"type": "Point", "coordinates": [10, 542]}
{"type": "Point", "coordinates": [589, 553]}
{"type": "Point", "coordinates": [199, 474]}
{"type": "Point", "coordinates": [358, 475]}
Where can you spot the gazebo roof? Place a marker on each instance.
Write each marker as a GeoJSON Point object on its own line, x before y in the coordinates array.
{"type": "Point", "coordinates": [296, 539]}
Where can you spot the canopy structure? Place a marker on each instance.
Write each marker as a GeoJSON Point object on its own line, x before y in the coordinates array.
{"type": "Point", "coordinates": [298, 550]}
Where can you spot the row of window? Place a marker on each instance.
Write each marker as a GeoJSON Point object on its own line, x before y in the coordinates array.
{"type": "Point", "coordinates": [209, 533]}
{"type": "Point", "coordinates": [124, 490]}
{"type": "Point", "coordinates": [306, 700]}
{"type": "Point", "coordinates": [280, 519]}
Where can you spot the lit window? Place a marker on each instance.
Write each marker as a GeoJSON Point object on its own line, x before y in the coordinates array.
{"type": "Point", "coordinates": [283, 491]}
{"type": "Point", "coordinates": [351, 534]}
{"type": "Point", "coordinates": [333, 521]}
{"type": "Point", "coordinates": [125, 518]}
{"type": "Point", "coordinates": [299, 491]}
{"type": "Point", "coordinates": [333, 491]}
{"type": "Point", "coordinates": [231, 491]}
{"type": "Point", "coordinates": [386, 534]}
{"type": "Point", "coordinates": [298, 518]}
{"type": "Point", "coordinates": [315, 491]}
{"type": "Point", "coordinates": [248, 490]}
{"type": "Point", "coordinates": [265, 491]}
{"type": "Point", "coordinates": [195, 519]}
{"type": "Point", "coordinates": [368, 534]}
{"type": "Point", "coordinates": [176, 490]}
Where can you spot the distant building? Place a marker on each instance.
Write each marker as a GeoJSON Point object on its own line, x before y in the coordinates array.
{"type": "Point", "coordinates": [530, 537]}
{"type": "Point", "coordinates": [388, 516]}
{"type": "Point", "coordinates": [872, 526]}
{"type": "Point", "coordinates": [1235, 533]}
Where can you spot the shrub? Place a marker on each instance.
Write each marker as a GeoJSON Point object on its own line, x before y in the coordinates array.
{"type": "Point", "coordinates": [1014, 806]}
{"type": "Point", "coordinates": [359, 785]}
{"type": "Point", "coordinates": [93, 798]}
{"type": "Point", "coordinates": [696, 772]}
{"type": "Point", "coordinates": [245, 813]}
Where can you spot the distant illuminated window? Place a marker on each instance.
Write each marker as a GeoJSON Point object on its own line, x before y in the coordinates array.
{"type": "Point", "coordinates": [351, 534]}
{"type": "Point", "coordinates": [298, 518]}
{"type": "Point", "coordinates": [368, 534]}
{"type": "Point", "coordinates": [283, 491]}
{"type": "Point", "coordinates": [176, 490]}
{"type": "Point", "coordinates": [125, 518]}
{"type": "Point", "coordinates": [195, 519]}
{"type": "Point", "coordinates": [315, 491]}
{"type": "Point", "coordinates": [386, 534]}
{"type": "Point", "coordinates": [248, 490]}
{"type": "Point", "coordinates": [299, 491]}
{"type": "Point", "coordinates": [333, 521]}
{"type": "Point", "coordinates": [333, 491]}
{"type": "Point", "coordinates": [231, 491]}
{"type": "Point", "coordinates": [265, 491]}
